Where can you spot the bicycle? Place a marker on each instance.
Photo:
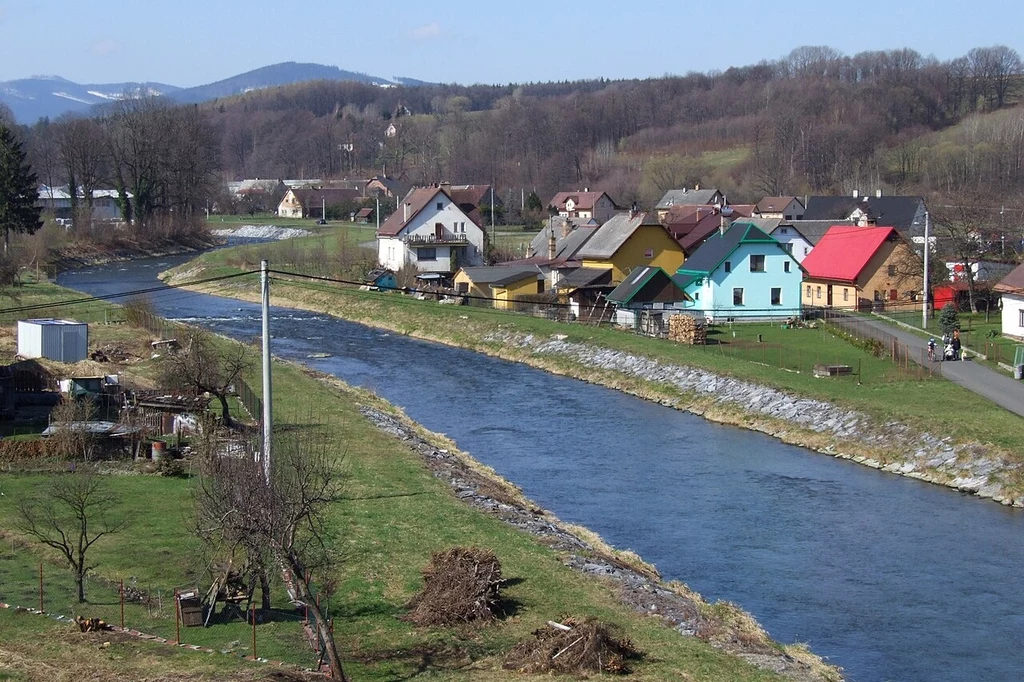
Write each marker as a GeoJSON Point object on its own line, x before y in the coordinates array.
{"type": "Point", "coordinates": [931, 351]}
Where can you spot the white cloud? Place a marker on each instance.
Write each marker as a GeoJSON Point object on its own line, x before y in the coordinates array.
{"type": "Point", "coordinates": [426, 32]}
{"type": "Point", "coordinates": [106, 47]}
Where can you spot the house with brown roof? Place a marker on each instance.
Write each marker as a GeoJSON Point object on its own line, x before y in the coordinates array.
{"type": "Point", "coordinates": [474, 200]}
{"type": "Point", "coordinates": [691, 225]}
{"type": "Point", "coordinates": [384, 186]}
{"type": "Point", "coordinates": [782, 208]}
{"type": "Point", "coordinates": [431, 233]}
{"type": "Point", "coordinates": [856, 268]}
{"type": "Point", "coordinates": [585, 204]}
{"type": "Point", "coordinates": [1012, 289]}
{"type": "Point", "coordinates": [314, 202]}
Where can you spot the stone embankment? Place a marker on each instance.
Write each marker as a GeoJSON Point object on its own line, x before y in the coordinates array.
{"type": "Point", "coordinates": [261, 232]}
{"type": "Point", "coordinates": [820, 425]}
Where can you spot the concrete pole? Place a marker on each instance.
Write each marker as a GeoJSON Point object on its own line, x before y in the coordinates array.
{"type": "Point", "coordinates": [268, 418]}
{"type": "Point", "coordinates": [927, 248]}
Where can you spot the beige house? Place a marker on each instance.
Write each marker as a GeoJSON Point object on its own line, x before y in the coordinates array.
{"type": "Point", "coordinates": [584, 205]}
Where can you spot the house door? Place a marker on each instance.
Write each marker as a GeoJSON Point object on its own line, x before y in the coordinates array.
{"type": "Point", "coordinates": [828, 296]}
{"type": "Point", "coordinates": [438, 231]}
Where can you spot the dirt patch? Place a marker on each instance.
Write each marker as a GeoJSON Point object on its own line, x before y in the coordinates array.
{"type": "Point", "coordinates": [462, 585]}
{"type": "Point", "coordinates": [576, 647]}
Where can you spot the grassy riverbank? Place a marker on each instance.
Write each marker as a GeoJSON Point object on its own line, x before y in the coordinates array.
{"type": "Point", "coordinates": [392, 514]}
{"type": "Point", "coordinates": [933, 404]}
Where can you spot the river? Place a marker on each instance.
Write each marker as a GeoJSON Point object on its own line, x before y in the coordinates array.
{"type": "Point", "coordinates": [888, 577]}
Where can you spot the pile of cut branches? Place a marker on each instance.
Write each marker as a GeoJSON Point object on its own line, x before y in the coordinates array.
{"type": "Point", "coordinates": [573, 646]}
{"type": "Point", "coordinates": [461, 585]}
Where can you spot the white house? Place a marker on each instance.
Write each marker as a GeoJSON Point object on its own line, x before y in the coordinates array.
{"type": "Point", "coordinates": [431, 233]}
{"type": "Point", "coordinates": [58, 200]}
{"type": "Point", "coordinates": [800, 236]}
{"type": "Point", "coordinates": [584, 205]}
{"type": "Point", "coordinates": [1012, 289]}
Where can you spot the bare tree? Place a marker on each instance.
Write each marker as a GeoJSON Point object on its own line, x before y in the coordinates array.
{"type": "Point", "coordinates": [71, 437]}
{"type": "Point", "coordinates": [204, 365]}
{"type": "Point", "coordinates": [71, 515]}
{"type": "Point", "coordinates": [959, 224]}
{"type": "Point", "coordinates": [281, 521]}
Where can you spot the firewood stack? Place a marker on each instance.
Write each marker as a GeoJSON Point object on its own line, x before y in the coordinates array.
{"type": "Point", "coordinates": [687, 329]}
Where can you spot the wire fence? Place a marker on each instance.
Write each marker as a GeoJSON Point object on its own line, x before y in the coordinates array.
{"type": "Point", "coordinates": [910, 361]}
{"type": "Point", "coordinates": [286, 632]}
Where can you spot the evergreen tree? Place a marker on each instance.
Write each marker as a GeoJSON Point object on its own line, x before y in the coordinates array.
{"type": "Point", "coordinates": [948, 319]}
{"type": "Point", "coordinates": [18, 192]}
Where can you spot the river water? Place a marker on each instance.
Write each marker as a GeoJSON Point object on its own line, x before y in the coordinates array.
{"type": "Point", "coordinates": [891, 578]}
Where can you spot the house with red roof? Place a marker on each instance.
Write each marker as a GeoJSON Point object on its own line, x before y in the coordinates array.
{"type": "Point", "coordinates": [856, 268]}
{"type": "Point", "coordinates": [585, 204]}
{"type": "Point", "coordinates": [430, 233]}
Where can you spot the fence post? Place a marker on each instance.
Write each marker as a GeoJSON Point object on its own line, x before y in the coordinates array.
{"type": "Point", "coordinates": [177, 619]}
{"type": "Point", "coordinates": [254, 631]}
{"type": "Point", "coordinates": [122, 603]}
{"type": "Point", "coordinates": [40, 585]}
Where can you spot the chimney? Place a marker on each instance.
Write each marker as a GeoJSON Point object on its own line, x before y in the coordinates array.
{"type": "Point", "coordinates": [566, 228]}
{"type": "Point", "coordinates": [552, 242]}
{"type": "Point", "coordinates": [856, 193]}
{"type": "Point", "coordinates": [405, 213]}
{"type": "Point", "coordinates": [696, 188]}
{"type": "Point", "coordinates": [878, 194]}
{"type": "Point", "coordinates": [586, 189]}
{"type": "Point", "coordinates": [724, 225]}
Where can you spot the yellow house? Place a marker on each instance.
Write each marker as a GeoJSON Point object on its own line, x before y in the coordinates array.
{"type": "Point", "coordinates": [631, 240]}
{"type": "Point", "coordinates": [500, 286]}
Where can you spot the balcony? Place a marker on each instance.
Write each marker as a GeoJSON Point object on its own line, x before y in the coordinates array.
{"type": "Point", "coordinates": [419, 241]}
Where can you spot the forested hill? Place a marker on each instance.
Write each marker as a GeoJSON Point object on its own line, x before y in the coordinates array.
{"type": "Point", "coordinates": [815, 121]}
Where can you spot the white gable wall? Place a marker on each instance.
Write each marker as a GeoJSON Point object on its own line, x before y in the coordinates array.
{"type": "Point", "coordinates": [397, 251]}
{"type": "Point", "coordinates": [1013, 315]}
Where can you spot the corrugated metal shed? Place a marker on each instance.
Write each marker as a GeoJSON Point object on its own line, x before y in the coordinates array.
{"type": "Point", "coordinates": [60, 340]}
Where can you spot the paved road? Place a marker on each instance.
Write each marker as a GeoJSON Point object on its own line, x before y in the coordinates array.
{"type": "Point", "coordinates": [998, 387]}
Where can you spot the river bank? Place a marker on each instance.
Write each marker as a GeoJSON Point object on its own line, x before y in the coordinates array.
{"type": "Point", "coordinates": [972, 467]}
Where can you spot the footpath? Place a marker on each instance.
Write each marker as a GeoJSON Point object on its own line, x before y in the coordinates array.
{"type": "Point", "coordinates": [1001, 389]}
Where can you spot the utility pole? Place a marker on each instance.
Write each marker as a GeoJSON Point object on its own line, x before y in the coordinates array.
{"type": "Point", "coordinates": [927, 248]}
{"type": "Point", "coordinates": [323, 207]}
{"type": "Point", "coordinates": [268, 418]}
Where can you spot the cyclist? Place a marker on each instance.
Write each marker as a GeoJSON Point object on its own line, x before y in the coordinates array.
{"type": "Point", "coordinates": [931, 350]}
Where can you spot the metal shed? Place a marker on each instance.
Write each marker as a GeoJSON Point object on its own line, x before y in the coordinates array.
{"type": "Point", "coordinates": [60, 340]}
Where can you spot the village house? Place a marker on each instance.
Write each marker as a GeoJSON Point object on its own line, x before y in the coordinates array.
{"type": "Point", "coordinates": [688, 197]}
{"type": "Point", "coordinates": [628, 241]}
{"type": "Point", "coordinates": [1012, 289]}
{"type": "Point", "coordinates": [475, 200]}
{"type": "Point", "coordinates": [856, 268]}
{"type": "Point", "coordinates": [554, 249]}
{"type": "Point", "coordinates": [800, 236]}
{"type": "Point", "coordinates": [585, 204]}
{"type": "Point", "coordinates": [381, 185]}
{"type": "Point", "coordinates": [315, 202]}
{"type": "Point", "coordinates": [499, 285]}
{"type": "Point", "coordinates": [431, 234]}
{"type": "Point", "coordinates": [647, 290]}
{"type": "Point", "coordinates": [365, 216]}
{"type": "Point", "coordinates": [905, 213]}
{"type": "Point", "coordinates": [57, 200]}
{"type": "Point", "coordinates": [782, 208]}
{"type": "Point", "coordinates": [742, 273]}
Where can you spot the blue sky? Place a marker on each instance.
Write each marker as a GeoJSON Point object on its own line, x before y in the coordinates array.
{"type": "Point", "coordinates": [188, 42]}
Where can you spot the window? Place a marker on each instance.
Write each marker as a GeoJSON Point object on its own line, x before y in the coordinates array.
{"type": "Point", "coordinates": [1022, 318]}
{"type": "Point", "coordinates": [462, 287]}
{"type": "Point", "coordinates": [757, 263]}
{"type": "Point", "coordinates": [785, 266]}
{"type": "Point", "coordinates": [440, 206]}
{"type": "Point", "coordinates": [806, 250]}
{"type": "Point", "coordinates": [649, 253]}
{"type": "Point", "coordinates": [786, 216]}
{"type": "Point", "coordinates": [776, 295]}
{"type": "Point", "coordinates": [737, 296]}
{"type": "Point", "coordinates": [817, 292]}
{"type": "Point", "coordinates": [540, 286]}
{"type": "Point", "coordinates": [783, 230]}
{"type": "Point", "coordinates": [462, 227]}
{"type": "Point", "coordinates": [893, 294]}
{"type": "Point", "coordinates": [846, 294]}
{"type": "Point", "coordinates": [427, 254]}
{"type": "Point", "coordinates": [878, 295]}
{"type": "Point", "coordinates": [788, 246]}
{"type": "Point", "coordinates": [696, 297]}
{"type": "Point", "coordinates": [728, 266]}
{"type": "Point", "coordinates": [808, 291]}
{"type": "Point", "coordinates": [892, 270]}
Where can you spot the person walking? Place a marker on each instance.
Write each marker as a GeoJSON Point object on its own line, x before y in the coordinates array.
{"type": "Point", "coordinates": [956, 345]}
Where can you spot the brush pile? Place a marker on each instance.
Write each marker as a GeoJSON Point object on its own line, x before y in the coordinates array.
{"type": "Point", "coordinates": [461, 585]}
{"type": "Point", "coordinates": [575, 647]}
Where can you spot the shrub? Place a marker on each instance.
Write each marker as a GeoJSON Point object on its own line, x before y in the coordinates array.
{"type": "Point", "coordinates": [949, 319]}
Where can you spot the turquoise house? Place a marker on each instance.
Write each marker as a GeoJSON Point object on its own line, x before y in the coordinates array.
{"type": "Point", "coordinates": [741, 273]}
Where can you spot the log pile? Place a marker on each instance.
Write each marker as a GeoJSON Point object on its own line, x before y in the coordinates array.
{"type": "Point", "coordinates": [687, 329]}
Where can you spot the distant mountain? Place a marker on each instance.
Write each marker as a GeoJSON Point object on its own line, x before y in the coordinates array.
{"type": "Point", "coordinates": [284, 73]}
{"type": "Point", "coordinates": [33, 98]}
